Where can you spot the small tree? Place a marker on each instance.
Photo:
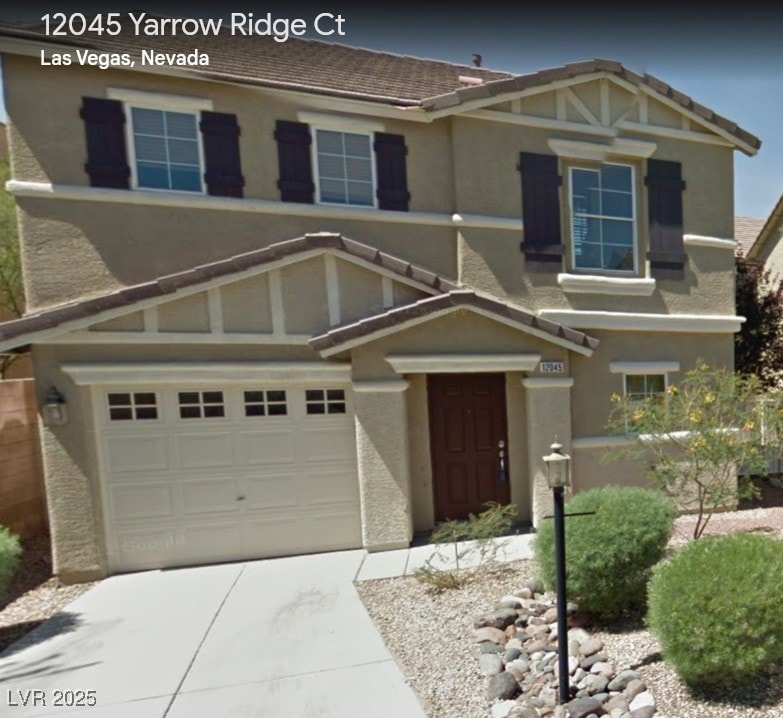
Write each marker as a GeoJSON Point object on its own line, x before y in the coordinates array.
{"type": "Point", "coordinates": [758, 346]}
{"type": "Point", "coordinates": [696, 437]}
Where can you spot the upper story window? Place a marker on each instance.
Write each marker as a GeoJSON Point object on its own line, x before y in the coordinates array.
{"type": "Point", "coordinates": [344, 162]}
{"type": "Point", "coordinates": [602, 218]}
{"type": "Point", "coordinates": [166, 149]}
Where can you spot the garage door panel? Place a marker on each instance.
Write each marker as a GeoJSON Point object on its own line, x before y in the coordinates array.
{"type": "Point", "coordinates": [268, 447]}
{"type": "Point", "coordinates": [326, 443]}
{"type": "Point", "coordinates": [334, 529]}
{"type": "Point", "coordinates": [337, 486]}
{"type": "Point", "coordinates": [205, 496]}
{"type": "Point", "coordinates": [210, 541]}
{"type": "Point", "coordinates": [136, 453]}
{"type": "Point", "coordinates": [142, 501]}
{"type": "Point", "coordinates": [276, 491]}
{"type": "Point", "coordinates": [145, 548]}
{"type": "Point", "coordinates": [213, 449]}
{"type": "Point", "coordinates": [274, 534]}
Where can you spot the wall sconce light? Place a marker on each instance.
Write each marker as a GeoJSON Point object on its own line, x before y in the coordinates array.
{"type": "Point", "coordinates": [54, 409]}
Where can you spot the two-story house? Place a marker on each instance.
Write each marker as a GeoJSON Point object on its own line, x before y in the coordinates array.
{"type": "Point", "coordinates": [315, 297]}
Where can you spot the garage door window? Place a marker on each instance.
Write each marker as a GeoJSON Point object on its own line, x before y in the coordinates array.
{"type": "Point", "coordinates": [201, 404]}
{"type": "Point", "coordinates": [325, 401]}
{"type": "Point", "coordinates": [132, 406]}
{"type": "Point", "coordinates": [271, 402]}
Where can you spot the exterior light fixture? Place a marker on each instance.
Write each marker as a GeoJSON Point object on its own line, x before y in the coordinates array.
{"type": "Point", "coordinates": [54, 409]}
{"type": "Point", "coordinates": [558, 468]}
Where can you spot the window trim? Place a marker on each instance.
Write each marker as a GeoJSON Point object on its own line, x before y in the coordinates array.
{"type": "Point", "coordinates": [350, 130]}
{"type": "Point", "coordinates": [158, 406]}
{"type": "Point", "coordinates": [573, 269]}
{"type": "Point", "coordinates": [162, 102]}
{"type": "Point", "coordinates": [664, 393]}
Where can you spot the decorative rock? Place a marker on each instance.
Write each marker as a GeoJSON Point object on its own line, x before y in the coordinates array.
{"type": "Point", "coordinates": [643, 712]}
{"type": "Point", "coordinates": [489, 647]}
{"type": "Point", "coordinates": [514, 643]}
{"type": "Point", "coordinates": [620, 683]}
{"type": "Point", "coordinates": [596, 684]}
{"type": "Point", "coordinates": [645, 698]}
{"type": "Point", "coordinates": [510, 601]}
{"type": "Point", "coordinates": [490, 664]}
{"type": "Point", "coordinates": [537, 630]}
{"type": "Point", "coordinates": [502, 709]}
{"type": "Point", "coordinates": [618, 702]}
{"type": "Point", "coordinates": [588, 663]}
{"type": "Point", "coordinates": [578, 634]}
{"type": "Point", "coordinates": [525, 593]}
{"type": "Point", "coordinates": [511, 654]}
{"type": "Point", "coordinates": [518, 668]}
{"type": "Point", "coordinates": [488, 633]}
{"type": "Point", "coordinates": [535, 586]}
{"type": "Point", "coordinates": [538, 645]}
{"type": "Point", "coordinates": [573, 664]}
{"type": "Point", "coordinates": [560, 712]}
{"type": "Point", "coordinates": [634, 688]}
{"type": "Point", "coordinates": [550, 615]}
{"type": "Point", "coordinates": [523, 710]}
{"type": "Point", "coordinates": [502, 686]}
{"type": "Point", "coordinates": [573, 647]}
{"type": "Point", "coordinates": [591, 646]}
{"type": "Point", "coordinates": [583, 707]}
{"type": "Point", "coordinates": [499, 619]}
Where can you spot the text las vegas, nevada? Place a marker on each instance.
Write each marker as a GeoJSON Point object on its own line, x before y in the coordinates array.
{"type": "Point", "coordinates": [141, 24]}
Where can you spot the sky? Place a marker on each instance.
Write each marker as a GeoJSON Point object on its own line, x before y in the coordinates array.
{"type": "Point", "coordinates": [727, 58]}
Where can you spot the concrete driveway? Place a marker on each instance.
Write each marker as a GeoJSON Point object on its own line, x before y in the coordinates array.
{"type": "Point", "coordinates": [281, 638]}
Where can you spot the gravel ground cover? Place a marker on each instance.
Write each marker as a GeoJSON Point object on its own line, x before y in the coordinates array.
{"type": "Point", "coordinates": [430, 636]}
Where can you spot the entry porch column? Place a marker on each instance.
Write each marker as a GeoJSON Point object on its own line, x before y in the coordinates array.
{"type": "Point", "coordinates": [383, 464]}
{"type": "Point", "coordinates": [548, 402]}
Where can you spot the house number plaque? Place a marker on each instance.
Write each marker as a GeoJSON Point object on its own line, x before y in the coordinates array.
{"type": "Point", "coordinates": [552, 367]}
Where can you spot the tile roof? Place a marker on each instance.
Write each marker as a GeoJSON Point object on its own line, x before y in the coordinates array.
{"type": "Point", "coordinates": [344, 71]}
{"type": "Point", "coordinates": [746, 231]}
{"type": "Point", "coordinates": [19, 331]}
{"type": "Point", "coordinates": [335, 339]}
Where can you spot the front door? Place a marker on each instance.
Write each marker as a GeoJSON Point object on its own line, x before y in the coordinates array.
{"type": "Point", "coordinates": [467, 424]}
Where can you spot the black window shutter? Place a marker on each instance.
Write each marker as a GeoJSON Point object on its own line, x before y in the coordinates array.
{"type": "Point", "coordinates": [542, 244]}
{"type": "Point", "coordinates": [664, 198]}
{"type": "Point", "coordinates": [293, 156]}
{"type": "Point", "coordinates": [107, 157]}
{"type": "Point", "coordinates": [223, 172]}
{"type": "Point", "coordinates": [390, 153]}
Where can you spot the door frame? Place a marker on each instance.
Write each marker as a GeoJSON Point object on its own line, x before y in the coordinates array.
{"type": "Point", "coordinates": [502, 414]}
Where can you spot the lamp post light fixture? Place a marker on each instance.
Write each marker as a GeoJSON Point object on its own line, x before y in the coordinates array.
{"type": "Point", "coordinates": [558, 466]}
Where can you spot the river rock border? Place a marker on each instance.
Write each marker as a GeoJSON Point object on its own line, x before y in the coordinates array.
{"type": "Point", "coordinates": [517, 651]}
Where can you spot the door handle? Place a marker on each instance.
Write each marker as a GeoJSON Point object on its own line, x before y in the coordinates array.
{"type": "Point", "coordinates": [502, 456]}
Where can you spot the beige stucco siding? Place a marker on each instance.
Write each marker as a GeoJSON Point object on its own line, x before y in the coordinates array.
{"type": "Point", "coordinates": [190, 314]}
{"type": "Point", "coordinates": [304, 295]}
{"type": "Point", "coordinates": [246, 305]}
{"type": "Point", "coordinates": [594, 383]}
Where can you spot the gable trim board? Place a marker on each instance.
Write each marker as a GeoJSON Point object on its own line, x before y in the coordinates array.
{"type": "Point", "coordinates": [596, 284]}
{"type": "Point", "coordinates": [46, 190]}
{"type": "Point", "coordinates": [398, 319]}
{"type": "Point", "coordinates": [461, 363]}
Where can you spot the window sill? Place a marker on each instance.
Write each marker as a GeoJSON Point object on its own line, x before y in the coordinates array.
{"type": "Point", "coordinates": [596, 284]}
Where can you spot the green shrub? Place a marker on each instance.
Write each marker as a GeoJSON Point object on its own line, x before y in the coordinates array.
{"type": "Point", "coordinates": [10, 551]}
{"type": "Point", "coordinates": [609, 553]}
{"type": "Point", "coordinates": [715, 608]}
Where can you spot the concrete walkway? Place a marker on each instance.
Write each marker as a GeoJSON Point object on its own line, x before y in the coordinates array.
{"type": "Point", "coordinates": [279, 638]}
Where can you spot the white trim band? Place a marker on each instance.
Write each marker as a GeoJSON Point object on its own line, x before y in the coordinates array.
{"type": "Point", "coordinates": [159, 100]}
{"type": "Point", "coordinates": [225, 372]}
{"type": "Point", "coordinates": [697, 240]}
{"type": "Point", "coordinates": [380, 386]}
{"type": "Point", "coordinates": [593, 284]}
{"type": "Point", "coordinates": [545, 382]}
{"type": "Point", "coordinates": [599, 442]}
{"type": "Point", "coordinates": [617, 147]}
{"type": "Point", "coordinates": [633, 321]}
{"type": "Point", "coordinates": [186, 200]}
{"type": "Point", "coordinates": [461, 363]}
{"type": "Point", "coordinates": [643, 367]}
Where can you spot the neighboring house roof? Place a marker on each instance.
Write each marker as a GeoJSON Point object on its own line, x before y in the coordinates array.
{"type": "Point", "coordinates": [350, 335]}
{"type": "Point", "coordinates": [770, 230]}
{"type": "Point", "coordinates": [341, 70]}
{"type": "Point", "coordinates": [82, 313]}
{"type": "Point", "coordinates": [746, 231]}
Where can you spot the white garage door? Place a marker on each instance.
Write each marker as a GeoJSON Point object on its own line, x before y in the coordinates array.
{"type": "Point", "coordinates": [202, 474]}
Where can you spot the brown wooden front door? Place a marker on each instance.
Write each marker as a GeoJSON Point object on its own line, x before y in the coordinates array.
{"type": "Point", "coordinates": [467, 420]}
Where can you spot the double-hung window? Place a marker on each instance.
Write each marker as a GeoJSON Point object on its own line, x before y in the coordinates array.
{"type": "Point", "coordinates": [345, 172]}
{"type": "Point", "coordinates": [602, 218]}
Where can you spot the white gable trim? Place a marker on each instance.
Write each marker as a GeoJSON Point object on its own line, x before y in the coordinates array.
{"type": "Point", "coordinates": [461, 363]}
{"type": "Point", "coordinates": [639, 321]}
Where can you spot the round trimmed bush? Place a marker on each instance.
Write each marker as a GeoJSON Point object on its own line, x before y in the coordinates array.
{"type": "Point", "coordinates": [10, 551]}
{"type": "Point", "coordinates": [608, 554]}
{"type": "Point", "coordinates": [715, 608]}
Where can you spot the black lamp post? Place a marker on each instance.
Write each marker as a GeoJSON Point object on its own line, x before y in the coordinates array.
{"type": "Point", "coordinates": [558, 467]}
